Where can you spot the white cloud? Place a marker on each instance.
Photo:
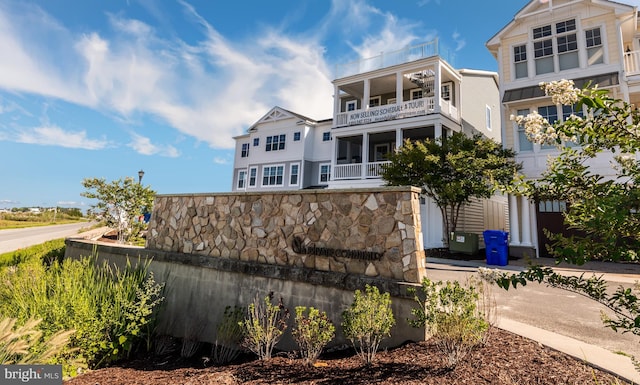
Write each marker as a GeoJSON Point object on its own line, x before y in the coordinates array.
{"type": "Point", "coordinates": [69, 203]}
{"type": "Point", "coordinates": [55, 136]}
{"type": "Point", "coordinates": [143, 145]}
{"type": "Point", "coordinates": [460, 42]}
{"type": "Point", "coordinates": [221, 160]}
{"type": "Point", "coordinates": [211, 90]}
{"type": "Point", "coordinates": [422, 3]}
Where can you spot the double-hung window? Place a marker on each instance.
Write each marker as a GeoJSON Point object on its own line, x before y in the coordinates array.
{"type": "Point", "coordinates": [256, 142]}
{"type": "Point", "coordinates": [567, 42]}
{"type": "Point", "coordinates": [294, 174]}
{"type": "Point", "coordinates": [560, 38]}
{"type": "Point", "coordinates": [520, 61]}
{"type": "Point", "coordinates": [275, 142]}
{"type": "Point", "coordinates": [272, 175]}
{"type": "Point", "coordinates": [296, 136]}
{"type": "Point", "coordinates": [326, 136]}
{"type": "Point", "coordinates": [524, 144]}
{"type": "Point", "coordinates": [325, 172]}
{"type": "Point", "coordinates": [543, 49]}
{"type": "Point", "coordinates": [245, 150]}
{"type": "Point", "coordinates": [253, 176]}
{"type": "Point", "coordinates": [551, 114]}
{"type": "Point", "coordinates": [595, 50]}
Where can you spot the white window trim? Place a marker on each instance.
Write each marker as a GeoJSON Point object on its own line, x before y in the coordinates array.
{"type": "Point", "coordinates": [291, 173]}
{"type": "Point", "coordinates": [413, 91]}
{"type": "Point", "coordinates": [246, 179]}
{"type": "Point", "coordinates": [353, 103]}
{"type": "Point", "coordinates": [320, 173]}
{"type": "Point", "coordinates": [529, 48]}
{"type": "Point", "coordinates": [391, 101]}
{"type": "Point", "coordinates": [444, 86]}
{"type": "Point", "coordinates": [375, 151]}
{"type": "Point", "coordinates": [582, 45]}
{"type": "Point", "coordinates": [377, 98]}
{"type": "Point", "coordinates": [249, 177]}
{"type": "Point", "coordinates": [273, 185]}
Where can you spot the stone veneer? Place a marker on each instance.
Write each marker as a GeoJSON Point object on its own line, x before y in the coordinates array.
{"type": "Point", "coordinates": [260, 227]}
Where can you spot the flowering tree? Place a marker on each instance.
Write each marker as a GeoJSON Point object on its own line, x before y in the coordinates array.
{"type": "Point", "coordinates": [452, 171]}
{"type": "Point", "coordinates": [120, 202]}
{"type": "Point", "coordinates": [604, 209]}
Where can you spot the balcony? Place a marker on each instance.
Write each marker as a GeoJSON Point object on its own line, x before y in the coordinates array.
{"type": "Point", "coordinates": [632, 63]}
{"type": "Point", "coordinates": [372, 170]}
{"type": "Point", "coordinates": [408, 109]}
{"type": "Point", "coordinates": [387, 59]}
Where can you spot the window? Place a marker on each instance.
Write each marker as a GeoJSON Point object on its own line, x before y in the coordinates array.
{"type": "Point", "coordinates": [326, 136]}
{"type": "Point", "coordinates": [352, 105]}
{"type": "Point", "coordinates": [524, 143]}
{"type": "Point", "coordinates": [276, 142]}
{"type": "Point", "coordinates": [294, 174]}
{"type": "Point", "coordinates": [566, 43]}
{"type": "Point", "coordinates": [416, 94]}
{"type": "Point", "coordinates": [272, 175]}
{"type": "Point", "coordinates": [245, 150]}
{"type": "Point", "coordinates": [256, 142]}
{"type": "Point", "coordinates": [551, 114]}
{"type": "Point", "coordinates": [391, 101]}
{"type": "Point", "coordinates": [520, 61]}
{"type": "Point", "coordinates": [552, 206]}
{"type": "Point", "coordinates": [381, 152]}
{"type": "Point", "coordinates": [567, 111]}
{"type": "Point", "coordinates": [595, 51]}
{"type": "Point", "coordinates": [375, 101]}
{"type": "Point", "coordinates": [296, 136]}
{"type": "Point", "coordinates": [242, 179]}
{"type": "Point", "coordinates": [445, 90]}
{"type": "Point", "coordinates": [488, 117]}
{"type": "Point", "coordinates": [325, 173]}
{"type": "Point", "coordinates": [253, 176]}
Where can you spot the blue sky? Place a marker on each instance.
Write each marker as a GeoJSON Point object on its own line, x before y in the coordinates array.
{"type": "Point", "coordinates": [94, 88]}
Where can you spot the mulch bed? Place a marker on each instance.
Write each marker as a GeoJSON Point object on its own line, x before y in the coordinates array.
{"type": "Point", "coordinates": [505, 359]}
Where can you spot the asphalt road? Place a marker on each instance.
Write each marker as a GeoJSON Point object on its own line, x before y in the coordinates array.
{"type": "Point", "coordinates": [555, 310]}
{"type": "Point", "coordinates": [14, 239]}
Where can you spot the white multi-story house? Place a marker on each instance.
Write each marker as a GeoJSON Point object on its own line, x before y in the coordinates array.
{"type": "Point", "coordinates": [379, 102]}
{"type": "Point", "coordinates": [595, 41]}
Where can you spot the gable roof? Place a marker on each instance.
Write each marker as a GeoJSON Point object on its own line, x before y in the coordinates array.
{"type": "Point", "coordinates": [276, 114]}
{"type": "Point", "coordinates": [539, 6]}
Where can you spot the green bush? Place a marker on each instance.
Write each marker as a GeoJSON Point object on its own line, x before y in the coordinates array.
{"type": "Point", "coordinates": [452, 316]}
{"type": "Point", "coordinates": [368, 321]}
{"type": "Point", "coordinates": [264, 326]}
{"type": "Point", "coordinates": [312, 332]}
{"type": "Point", "coordinates": [111, 310]}
{"type": "Point", "coordinates": [229, 335]}
{"type": "Point", "coordinates": [48, 252]}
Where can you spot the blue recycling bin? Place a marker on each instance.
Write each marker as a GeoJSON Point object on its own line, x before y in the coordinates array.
{"type": "Point", "coordinates": [496, 247]}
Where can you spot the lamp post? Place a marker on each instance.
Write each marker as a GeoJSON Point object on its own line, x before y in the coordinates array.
{"type": "Point", "coordinates": [140, 175]}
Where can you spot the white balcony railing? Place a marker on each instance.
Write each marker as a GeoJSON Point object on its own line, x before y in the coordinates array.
{"type": "Point", "coordinates": [354, 170]}
{"type": "Point", "coordinates": [632, 63]}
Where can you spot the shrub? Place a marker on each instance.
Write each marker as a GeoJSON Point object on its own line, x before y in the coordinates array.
{"type": "Point", "coordinates": [264, 326]}
{"type": "Point", "coordinates": [229, 335]}
{"type": "Point", "coordinates": [110, 309]}
{"type": "Point", "coordinates": [47, 252]}
{"type": "Point", "coordinates": [25, 344]}
{"type": "Point", "coordinates": [450, 312]}
{"type": "Point", "coordinates": [312, 332]}
{"type": "Point", "coordinates": [368, 321]}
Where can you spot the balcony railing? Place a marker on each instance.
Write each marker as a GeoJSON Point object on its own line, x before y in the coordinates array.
{"type": "Point", "coordinates": [387, 59]}
{"type": "Point", "coordinates": [632, 63]}
{"type": "Point", "coordinates": [354, 170]}
{"type": "Point", "coordinates": [408, 109]}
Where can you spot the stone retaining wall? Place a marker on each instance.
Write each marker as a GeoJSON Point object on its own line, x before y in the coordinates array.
{"type": "Point", "coordinates": [368, 232]}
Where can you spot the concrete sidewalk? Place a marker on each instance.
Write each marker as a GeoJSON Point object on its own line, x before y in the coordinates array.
{"type": "Point", "coordinates": [598, 356]}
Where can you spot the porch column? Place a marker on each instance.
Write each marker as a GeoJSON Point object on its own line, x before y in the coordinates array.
{"type": "Point", "coordinates": [336, 101]}
{"type": "Point", "coordinates": [399, 88]}
{"type": "Point", "coordinates": [365, 155]}
{"type": "Point", "coordinates": [367, 94]}
{"type": "Point", "coordinates": [514, 220]}
{"type": "Point", "coordinates": [399, 139]}
{"type": "Point", "coordinates": [437, 130]}
{"type": "Point", "coordinates": [437, 90]}
{"type": "Point", "coordinates": [526, 221]}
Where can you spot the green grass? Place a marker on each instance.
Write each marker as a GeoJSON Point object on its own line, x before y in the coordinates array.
{"type": "Point", "coordinates": [20, 220]}
{"type": "Point", "coordinates": [48, 251]}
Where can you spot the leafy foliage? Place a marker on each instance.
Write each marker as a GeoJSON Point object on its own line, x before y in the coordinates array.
{"type": "Point", "coordinates": [111, 310]}
{"type": "Point", "coordinates": [120, 202]}
{"type": "Point", "coordinates": [264, 326]}
{"type": "Point", "coordinates": [312, 332]}
{"type": "Point", "coordinates": [368, 321]}
{"type": "Point", "coordinates": [47, 252]}
{"type": "Point", "coordinates": [452, 315]}
{"type": "Point", "coordinates": [452, 170]}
